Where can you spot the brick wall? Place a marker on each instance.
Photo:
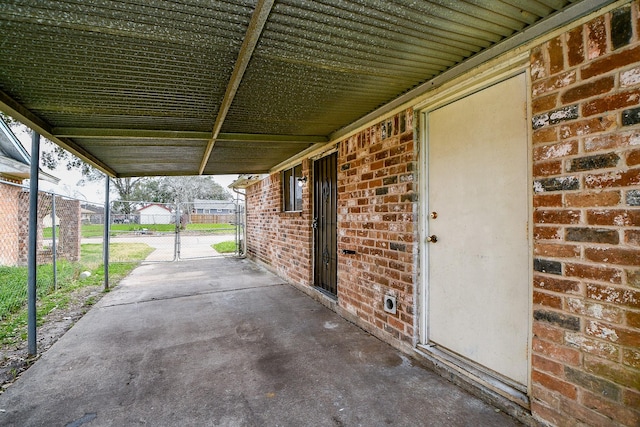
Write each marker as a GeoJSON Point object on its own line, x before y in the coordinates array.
{"type": "Point", "coordinates": [281, 240]}
{"type": "Point", "coordinates": [377, 218]}
{"type": "Point", "coordinates": [586, 153]}
{"type": "Point", "coordinates": [69, 229]}
{"type": "Point", "coordinates": [9, 228]}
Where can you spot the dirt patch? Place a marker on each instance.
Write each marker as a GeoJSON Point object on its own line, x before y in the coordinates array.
{"type": "Point", "coordinates": [14, 358]}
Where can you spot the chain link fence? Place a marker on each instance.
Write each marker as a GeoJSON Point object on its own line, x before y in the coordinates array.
{"type": "Point", "coordinates": [60, 222]}
{"type": "Point", "coordinates": [174, 230]}
{"type": "Point", "coordinates": [70, 237]}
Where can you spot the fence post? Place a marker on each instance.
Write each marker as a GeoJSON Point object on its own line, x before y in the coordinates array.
{"type": "Point", "coordinates": [33, 243]}
{"type": "Point", "coordinates": [176, 248]}
{"type": "Point", "coordinates": [105, 238]}
{"type": "Point", "coordinates": [54, 248]}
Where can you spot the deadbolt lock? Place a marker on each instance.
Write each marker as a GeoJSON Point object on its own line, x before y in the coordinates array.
{"type": "Point", "coordinates": [434, 215]}
{"type": "Point", "coordinates": [432, 239]}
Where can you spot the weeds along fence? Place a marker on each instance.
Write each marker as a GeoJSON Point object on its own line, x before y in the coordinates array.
{"type": "Point", "coordinates": [59, 232]}
{"type": "Point", "coordinates": [70, 238]}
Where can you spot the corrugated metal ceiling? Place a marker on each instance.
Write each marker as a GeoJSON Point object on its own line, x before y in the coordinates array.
{"type": "Point", "coordinates": [199, 86]}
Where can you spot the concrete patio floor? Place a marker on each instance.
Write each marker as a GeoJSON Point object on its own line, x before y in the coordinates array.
{"type": "Point", "coordinates": [222, 342]}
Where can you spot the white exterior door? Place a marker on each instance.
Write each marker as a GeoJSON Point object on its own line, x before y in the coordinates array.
{"type": "Point", "coordinates": [479, 267]}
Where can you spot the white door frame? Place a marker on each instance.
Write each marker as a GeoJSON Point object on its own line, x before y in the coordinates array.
{"type": "Point", "coordinates": [443, 97]}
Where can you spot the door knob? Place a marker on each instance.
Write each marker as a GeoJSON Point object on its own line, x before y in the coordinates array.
{"type": "Point", "coordinates": [432, 239]}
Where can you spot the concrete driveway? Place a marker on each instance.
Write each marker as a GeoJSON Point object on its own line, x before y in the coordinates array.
{"type": "Point", "coordinates": [222, 342]}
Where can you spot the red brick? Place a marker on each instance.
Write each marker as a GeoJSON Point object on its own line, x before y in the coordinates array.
{"type": "Point", "coordinates": [550, 398]}
{"type": "Point", "coordinates": [556, 284]}
{"type": "Point", "coordinates": [614, 217]}
{"type": "Point", "coordinates": [544, 103]}
{"type": "Point", "coordinates": [596, 38]}
{"type": "Point", "coordinates": [594, 199]}
{"type": "Point", "coordinates": [545, 134]}
{"type": "Point", "coordinates": [550, 416]}
{"type": "Point", "coordinates": [538, 64]}
{"type": "Point", "coordinates": [575, 46]}
{"type": "Point", "coordinates": [609, 141]}
{"type": "Point", "coordinates": [546, 233]}
{"type": "Point", "coordinates": [593, 272]}
{"type": "Point", "coordinates": [593, 346]}
{"type": "Point", "coordinates": [582, 416]}
{"type": "Point", "coordinates": [601, 310]}
{"type": "Point", "coordinates": [547, 332]}
{"type": "Point", "coordinates": [555, 151]}
{"type": "Point", "coordinates": [554, 83]}
{"type": "Point", "coordinates": [614, 295]}
{"type": "Point", "coordinates": [547, 200]}
{"type": "Point", "coordinates": [631, 398]}
{"type": "Point", "coordinates": [611, 103]}
{"type": "Point", "coordinates": [546, 365]}
{"type": "Point", "coordinates": [588, 90]}
{"type": "Point", "coordinates": [615, 334]}
{"type": "Point", "coordinates": [556, 352]}
{"type": "Point", "coordinates": [547, 169]}
{"type": "Point", "coordinates": [619, 256]}
{"type": "Point", "coordinates": [633, 158]}
{"type": "Point", "coordinates": [611, 62]}
{"type": "Point", "coordinates": [555, 384]}
{"type": "Point", "coordinates": [556, 55]}
{"type": "Point", "coordinates": [555, 250]}
{"type": "Point", "coordinates": [588, 127]}
{"type": "Point", "coordinates": [633, 319]}
{"type": "Point", "coordinates": [547, 300]}
{"type": "Point", "coordinates": [613, 410]}
{"type": "Point", "coordinates": [556, 216]}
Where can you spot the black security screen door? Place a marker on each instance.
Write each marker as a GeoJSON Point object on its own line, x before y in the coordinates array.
{"type": "Point", "coordinates": [325, 216]}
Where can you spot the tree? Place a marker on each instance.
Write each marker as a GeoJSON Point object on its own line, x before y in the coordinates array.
{"type": "Point", "coordinates": [180, 189]}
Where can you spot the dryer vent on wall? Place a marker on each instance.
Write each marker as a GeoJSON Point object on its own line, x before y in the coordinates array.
{"type": "Point", "coordinates": [390, 305]}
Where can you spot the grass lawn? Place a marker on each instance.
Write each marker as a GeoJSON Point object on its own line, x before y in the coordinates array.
{"type": "Point", "coordinates": [225, 247]}
{"type": "Point", "coordinates": [13, 284]}
{"type": "Point", "coordinates": [97, 230]}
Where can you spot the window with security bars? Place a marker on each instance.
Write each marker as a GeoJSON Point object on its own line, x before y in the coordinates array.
{"type": "Point", "coordinates": [292, 189]}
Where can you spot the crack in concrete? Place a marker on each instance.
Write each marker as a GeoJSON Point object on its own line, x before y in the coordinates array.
{"type": "Point", "coordinates": [189, 295]}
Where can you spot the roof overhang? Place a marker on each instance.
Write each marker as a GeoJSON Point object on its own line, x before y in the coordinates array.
{"type": "Point", "coordinates": [144, 89]}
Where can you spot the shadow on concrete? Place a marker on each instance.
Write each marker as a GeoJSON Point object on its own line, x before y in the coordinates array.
{"type": "Point", "coordinates": [222, 342]}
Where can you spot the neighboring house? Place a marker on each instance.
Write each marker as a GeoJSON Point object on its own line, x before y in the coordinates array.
{"type": "Point", "coordinates": [15, 166]}
{"type": "Point", "coordinates": [91, 214]}
{"type": "Point", "coordinates": [490, 227]}
{"type": "Point", "coordinates": [213, 207]}
{"type": "Point", "coordinates": [155, 214]}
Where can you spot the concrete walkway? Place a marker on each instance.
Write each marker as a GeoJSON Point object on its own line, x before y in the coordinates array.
{"type": "Point", "coordinates": [222, 342]}
{"type": "Point", "coordinates": [192, 246]}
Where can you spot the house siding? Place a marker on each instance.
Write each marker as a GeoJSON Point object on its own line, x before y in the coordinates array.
{"type": "Point", "coordinates": [585, 134]}
{"type": "Point", "coordinates": [586, 297]}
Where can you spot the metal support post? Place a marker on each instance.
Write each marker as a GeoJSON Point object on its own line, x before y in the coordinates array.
{"type": "Point", "coordinates": [176, 248]}
{"type": "Point", "coordinates": [33, 242]}
{"type": "Point", "coordinates": [54, 248]}
{"type": "Point", "coordinates": [105, 239]}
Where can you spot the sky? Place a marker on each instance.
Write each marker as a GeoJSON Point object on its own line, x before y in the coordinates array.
{"type": "Point", "coordinates": [68, 185]}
